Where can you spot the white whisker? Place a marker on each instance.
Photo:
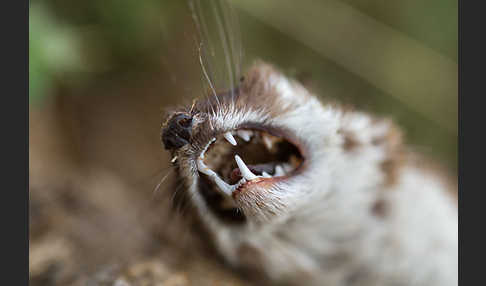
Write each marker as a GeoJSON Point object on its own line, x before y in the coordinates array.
{"type": "Point", "coordinates": [204, 33]}
{"type": "Point", "coordinates": [161, 181]}
{"type": "Point", "coordinates": [175, 192]}
{"type": "Point", "coordinates": [206, 74]}
{"type": "Point", "coordinates": [225, 50]}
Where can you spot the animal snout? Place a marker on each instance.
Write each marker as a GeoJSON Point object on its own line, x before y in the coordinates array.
{"type": "Point", "coordinates": [178, 131]}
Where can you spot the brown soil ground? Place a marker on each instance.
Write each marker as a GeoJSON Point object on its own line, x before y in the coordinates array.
{"type": "Point", "coordinates": [96, 217]}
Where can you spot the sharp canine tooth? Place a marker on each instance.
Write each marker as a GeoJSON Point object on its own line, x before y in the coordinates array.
{"type": "Point", "coordinates": [244, 134]}
{"type": "Point", "coordinates": [206, 148]}
{"type": "Point", "coordinates": [223, 186]}
{"type": "Point", "coordinates": [266, 175]}
{"type": "Point", "coordinates": [279, 171]}
{"type": "Point", "coordinates": [228, 136]}
{"type": "Point", "coordinates": [200, 164]}
{"type": "Point", "coordinates": [245, 172]}
{"type": "Point", "coordinates": [204, 169]}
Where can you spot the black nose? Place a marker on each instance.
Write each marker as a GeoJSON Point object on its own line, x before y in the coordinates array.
{"type": "Point", "coordinates": [178, 131]}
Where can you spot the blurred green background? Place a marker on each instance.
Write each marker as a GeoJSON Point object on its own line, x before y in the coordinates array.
{"type": "Point", "coordinates": [394, 58]}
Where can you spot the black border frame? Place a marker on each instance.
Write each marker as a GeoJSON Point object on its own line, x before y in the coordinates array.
{"type": "Point", "coordinates": [14, 120]}
{"type": "Point", "coordinates": [471, 61]}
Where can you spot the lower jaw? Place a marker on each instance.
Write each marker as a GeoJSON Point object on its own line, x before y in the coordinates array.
{"type": "Point", "coordinates": [220, 192]}
{"type": "Point", "coordinates": [222, 206]}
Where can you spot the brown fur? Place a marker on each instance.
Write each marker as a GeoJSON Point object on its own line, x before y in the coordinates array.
{"type": "Point", "coordinates": [395, 154]}
{"type": "Point", "coordinates": [254, 87]}
{"type": "Point", "coordinates": [380, 208]}
{"type": "Point", "coordinates": [350, 142]}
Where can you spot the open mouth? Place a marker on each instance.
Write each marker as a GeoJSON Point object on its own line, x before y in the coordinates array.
{"type": "Point", "coordinates": [242, 158]}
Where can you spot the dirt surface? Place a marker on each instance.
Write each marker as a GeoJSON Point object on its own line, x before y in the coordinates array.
{"type": "Point", "coordinates": [96, 214]}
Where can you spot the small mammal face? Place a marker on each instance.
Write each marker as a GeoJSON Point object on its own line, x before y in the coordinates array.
{"type": "Point", "coordinates": [241, 151]}
{"type": "Point", "coordinates": [301, 191]}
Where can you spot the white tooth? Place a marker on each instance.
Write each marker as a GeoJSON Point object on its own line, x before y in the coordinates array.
{"type": "Point", "coordinates": [223, 186]}
{"type": "Point", "coordinates": [228, 136]}
{"type": "Point", "coordinates": [204, 169]}
{"type": "Point", "coordinates": [279, 171]}
{"type": "Point", "coordinates": [206, 148]}
{"type": "Point", "coordinates": [266, 175]}
{"type": "Point", "coordinates": [245, 172]}
{"type": "Point", "coordinates": [244, 134]}
{"type": "Point", "coordinates": [267, 141]}
{"type": "Point", "coordinates": [287, 168]}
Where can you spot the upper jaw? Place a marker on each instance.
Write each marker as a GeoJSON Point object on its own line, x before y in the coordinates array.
{"type": "Point", "coordinates": [263, 177]}
{"type": "Point", "coordinates": [224, 187]}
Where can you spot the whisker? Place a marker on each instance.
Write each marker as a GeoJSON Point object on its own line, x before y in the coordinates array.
{"type": "Point", "coordinates": [161, 181]}
{"type": "Point", "coordinates": [237, 51]}
{"type": "Point", "coordinates": [175, 192]}
{"type": "Point", "coordinates": [225, 50]}
{"type": "Point", "coordinates": [234, 40]}
{"type": "Point", "coordinates": [202, 28]}
{"type": "Point", "coordinates": [206, 74]}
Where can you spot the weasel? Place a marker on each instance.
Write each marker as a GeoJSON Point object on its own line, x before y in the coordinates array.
{"type": "Point", "coordinates": [299, 191]}
{"type": "Point", "coordinates": [306, 192]}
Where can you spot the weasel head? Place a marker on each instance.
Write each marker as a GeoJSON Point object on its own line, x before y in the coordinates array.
{"type": "Point", "coordinates": [255, 158]}
{"type": "Point", "coordinates": [246, 155]}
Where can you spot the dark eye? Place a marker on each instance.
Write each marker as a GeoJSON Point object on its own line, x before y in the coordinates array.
{"type": "Point", "coordinates": [178, 131]}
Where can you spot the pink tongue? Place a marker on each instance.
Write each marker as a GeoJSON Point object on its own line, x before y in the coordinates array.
{"type": "Point", "coordinates": [235, 175]}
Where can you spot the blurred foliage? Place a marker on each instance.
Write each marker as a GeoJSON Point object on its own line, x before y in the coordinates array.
{"type": "Point", "coordinates": [75, 42]}
{"type": "Point", "coordinates": [78, 43]}
{"type": "Point", "coordinates": [52, 51]}
{"type": "Point", "coordinates": [80, 37]}
{"type": "Point", "coordinates": [432, 22]}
